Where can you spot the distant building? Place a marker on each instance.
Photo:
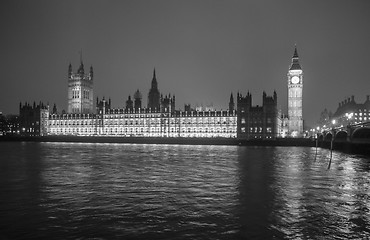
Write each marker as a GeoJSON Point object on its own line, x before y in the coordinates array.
{"type": "Point", "coordinates": [2, 124]}
{"type": "Point", "coordinates": [295, 97]}
{"type": "Point", "coordinates": [350, 112]}
{"type": "Point", "coordinates": [325, 117]}
{"type": "Point", "coordinates": [33, 119]}
{"type": "Point", "coordinates": [9, 125]}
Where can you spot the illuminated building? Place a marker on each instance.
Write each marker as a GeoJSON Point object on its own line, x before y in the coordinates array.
{"type": "Point", "coordinates": [295, 87]}
{"type": "Point", "coordinates": [127, 122]}
{"type": "Point", "coordinates": [350, 112]}
{"type": "Point", "coordinates": [80, 90]}
{"type": "Point", "coordinates": [9, 125]}
{"type": "Point", "coordinates": [3, 123]}
{"type": "Point", "coordinates": [159, 119]}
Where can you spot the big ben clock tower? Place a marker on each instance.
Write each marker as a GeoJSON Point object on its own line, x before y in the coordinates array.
{"type": "Point", "coordinates": [295, 87]}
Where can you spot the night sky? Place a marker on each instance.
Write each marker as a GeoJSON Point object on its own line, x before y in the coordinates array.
{"type": "Point", "coordinates": [201, 50]}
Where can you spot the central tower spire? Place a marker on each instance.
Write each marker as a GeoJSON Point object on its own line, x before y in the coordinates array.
{"type": "Point", "coordinates": [154, 81]}
{"type": "Point", "coordinates": [81, 69]}
{"type": "Point", "coordinates": [154, 96]}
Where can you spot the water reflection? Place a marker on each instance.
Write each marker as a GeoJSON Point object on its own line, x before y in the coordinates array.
{"type": "Point", "coordinates": [314, 201]}
{"type": "Point", "coordinates": [175, 190]}
{"type": "Point", "coordinates": [69, 190]}
{"type": "Point", "coordinates": [255, 171]}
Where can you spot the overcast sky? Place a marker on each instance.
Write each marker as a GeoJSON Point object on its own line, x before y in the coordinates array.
{"type": "Point", "coordinates": [202, 50]}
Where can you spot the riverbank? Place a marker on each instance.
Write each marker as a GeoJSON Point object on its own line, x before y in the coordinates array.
{"type": "Point", "coordinates": [163, 140]}
{"type": "Point", "coordinates": [351, 148]}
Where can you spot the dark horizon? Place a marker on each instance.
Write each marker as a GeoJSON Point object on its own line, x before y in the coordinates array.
{"type": "Point", "coordinates": [202, 51]}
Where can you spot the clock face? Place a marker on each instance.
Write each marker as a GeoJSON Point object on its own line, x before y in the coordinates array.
{"type": "Point", "coordinates": [295, 79]}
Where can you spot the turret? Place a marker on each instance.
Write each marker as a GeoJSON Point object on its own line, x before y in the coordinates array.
{"type": "Point", "coordinates": [167, 103]}
{"type": "Point", "coordinates": [129, 103]}
{"type": "Point", "coordinates": [81, 69]}
{"type": "Point", "coordinates": [69, 70]}
{"type": "Point", "coordinates": [137, 97]}
{"type": "Point", "coordinates": [55, 109]}
{"type": "Point", "coordinates": [154, 81]}
{"type": "Point", "coordinates": [91, 73]}
{"type": "Point", "coordinates": [231, 103]}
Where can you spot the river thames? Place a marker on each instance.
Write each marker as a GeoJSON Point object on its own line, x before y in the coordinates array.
{"type": "Point", "coordinates": [138, 191]}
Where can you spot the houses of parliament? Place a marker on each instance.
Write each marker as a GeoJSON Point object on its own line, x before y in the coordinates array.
{"type": "Point", "coordinates": [160, 117]}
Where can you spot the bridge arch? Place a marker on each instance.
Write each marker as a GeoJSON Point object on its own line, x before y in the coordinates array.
{"type": "Point", "coordinates": [362, 132]}
{"type": "Point", "coordinates": [328, 136]}
{"type": "Point", "coordinates": [321, 137]}
{"type": "Point", "coordinates": [341, 135]}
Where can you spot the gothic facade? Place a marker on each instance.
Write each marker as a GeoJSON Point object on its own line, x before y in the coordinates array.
{"type": "Point", "coordinates": [33, 119]}
{"type": "Point", "coordinates": [257, 122]}
{"type": "Point", "coordinates": [161, 119]}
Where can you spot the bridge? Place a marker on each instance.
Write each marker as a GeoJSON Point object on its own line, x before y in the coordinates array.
{"type": "Point", "coordinates": [355, 133]}
{"type": "Point", "coordinates": [352, 136]}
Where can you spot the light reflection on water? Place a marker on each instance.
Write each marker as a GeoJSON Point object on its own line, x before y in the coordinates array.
{"type": "Point", "coordinates": [115, 191]}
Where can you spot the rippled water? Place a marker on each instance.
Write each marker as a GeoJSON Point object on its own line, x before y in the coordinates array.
{"type": "Point", "coordinates": [128, 191]}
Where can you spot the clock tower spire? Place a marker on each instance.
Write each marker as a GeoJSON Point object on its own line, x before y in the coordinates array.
{"type": "Point", "coordinates": [295, 90]}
